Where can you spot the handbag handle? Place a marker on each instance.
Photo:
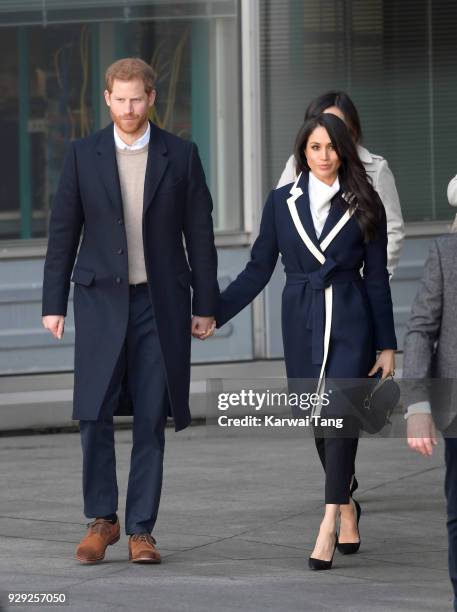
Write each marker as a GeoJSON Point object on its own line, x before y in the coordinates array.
{"type": "Point", "coordinates": [367, 400]}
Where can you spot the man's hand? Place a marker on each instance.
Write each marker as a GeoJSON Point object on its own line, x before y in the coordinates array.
{"type": "Point", "coordinates": [55, 324]}
{"type": "Point", "coordinates": [203, 327]}
{"type": "Point", "coordinates": [421, 433]}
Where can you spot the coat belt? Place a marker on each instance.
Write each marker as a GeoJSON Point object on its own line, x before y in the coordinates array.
{"type": "Point", "coordinates": [321, 308]}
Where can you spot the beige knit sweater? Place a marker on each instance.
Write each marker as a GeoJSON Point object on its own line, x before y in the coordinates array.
{"type": "Point", "coordinates": [132, 171]}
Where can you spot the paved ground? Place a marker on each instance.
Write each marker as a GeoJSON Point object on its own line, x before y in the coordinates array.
{"type": "Point", "coordinates": [237, 522]}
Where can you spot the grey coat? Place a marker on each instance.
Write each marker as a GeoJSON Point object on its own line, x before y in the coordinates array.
{"type": "Point", "coordinates": [430, 345]}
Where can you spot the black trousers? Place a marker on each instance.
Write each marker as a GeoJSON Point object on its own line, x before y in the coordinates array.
{"type": "Point", "coordinates": [337, 452]}
{"type": "Point", "coordinates": [450, 489]}
{"type": "Point", "coordinates": [141, 359]}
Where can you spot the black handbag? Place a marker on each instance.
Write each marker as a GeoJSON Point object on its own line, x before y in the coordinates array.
{"type": "Point", "coordinates": [380, 401]}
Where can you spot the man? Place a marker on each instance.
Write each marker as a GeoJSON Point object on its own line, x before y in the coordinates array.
{"type": "Point", "coordinates": [430, 352]}
{"type": "Point", "coordinates": [133, 190]}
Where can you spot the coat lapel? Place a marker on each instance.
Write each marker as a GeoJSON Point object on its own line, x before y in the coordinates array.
{"type": "Point", "coordinates": [299, 207]}
{"type": "Point", "coordinates": [156, 165]}
{"type": "Point", "coordinates": [106, 161]}
{"type": "Point", "coordinates": [304, 210]}
{"type": "Point", "coordinates": [337, 209]}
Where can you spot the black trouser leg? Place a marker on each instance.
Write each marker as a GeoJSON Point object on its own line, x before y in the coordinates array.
{"type": "Point", "coordinates": [148, 390]}
{"type": "Point", "coordinates": [450, 487]}
{"type": "Point", "coordinates": [339, 468]}
{"type": "Point", "coordinates": [100, 490]}
{"type": "Point", "coordinates": [337, 451]}
{"type": "Point", "coordinates": [320, 445]}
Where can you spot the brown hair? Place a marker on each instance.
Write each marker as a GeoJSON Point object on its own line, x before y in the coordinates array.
{"type": "Point", "coordinates": [130, 68]}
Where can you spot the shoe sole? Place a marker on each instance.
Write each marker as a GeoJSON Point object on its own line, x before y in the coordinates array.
{"type": "Point", "coordinates": [144, 560]}
{"type": "Point", "coordinates": [93, 561]}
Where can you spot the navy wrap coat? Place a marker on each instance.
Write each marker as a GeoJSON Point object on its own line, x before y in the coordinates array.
{"type": "Point", "coordinates": [176, 203]}
{"type": "Point", "coordinates": [362, 317]}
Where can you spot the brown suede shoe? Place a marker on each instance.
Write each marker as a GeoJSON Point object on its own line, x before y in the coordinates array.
{"type": "Point", "coordinates": [142, 549]}
{"type": "Point", "coordinates": [101, 533]}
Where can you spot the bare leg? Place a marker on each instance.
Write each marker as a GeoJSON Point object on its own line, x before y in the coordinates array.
{"type": "Point", "coordinates": [348, 524]}
{"type": "Point", "coordinates": [325, 543]}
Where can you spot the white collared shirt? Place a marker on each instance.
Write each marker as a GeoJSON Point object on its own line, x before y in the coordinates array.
{"type": "Point", "coordinates": [320, 195]}
{"type": "Point", "coordinates": [141, 142]}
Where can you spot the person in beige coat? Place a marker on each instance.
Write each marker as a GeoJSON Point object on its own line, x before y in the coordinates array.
{"type": "Point", "coordinates": [377, 168]}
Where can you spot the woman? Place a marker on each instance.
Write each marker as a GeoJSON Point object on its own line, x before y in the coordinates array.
{"type": "Point", "coordinates": [327, 225]}
{"type": "Point", "coordinates": [341, 105]}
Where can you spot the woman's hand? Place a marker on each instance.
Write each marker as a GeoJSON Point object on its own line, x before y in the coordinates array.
{"type": "Point", "coordinates": [386, 362]}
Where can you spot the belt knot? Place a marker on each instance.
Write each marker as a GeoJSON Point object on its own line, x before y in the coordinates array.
{"type": "Point", "coordinates": [322, 278]}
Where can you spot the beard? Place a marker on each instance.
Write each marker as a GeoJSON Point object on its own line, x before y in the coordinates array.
{"type": "Point", "coordinates": [129, 123]}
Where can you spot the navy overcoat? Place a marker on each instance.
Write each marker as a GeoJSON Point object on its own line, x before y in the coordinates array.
{"type": "Point", "coordinates": [361, 311]}
{"type": "Point", "coordinates": [176, 203]}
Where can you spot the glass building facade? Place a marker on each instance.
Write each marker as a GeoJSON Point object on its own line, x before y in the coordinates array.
{"type": "Point", "coordinates": [52, 75]}
{"type": "Point", "coordinates": [395, 59]}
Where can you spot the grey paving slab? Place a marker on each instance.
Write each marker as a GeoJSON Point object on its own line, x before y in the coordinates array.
{"type": "Point", "coordinates": [237, 522]}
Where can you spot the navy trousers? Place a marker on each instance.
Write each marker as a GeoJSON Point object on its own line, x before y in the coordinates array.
{"type": "Point", "coordinates": [450, 487]}
{"type": "Point", "coordinates": [141, 360]}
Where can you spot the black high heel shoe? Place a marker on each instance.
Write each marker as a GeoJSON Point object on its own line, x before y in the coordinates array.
{"type": "Point", "coordinates": [349, 548]}
{"type": "Point", "coordinates": [354, 485]}
{"type": "Point", "coordinates": [320, 564]}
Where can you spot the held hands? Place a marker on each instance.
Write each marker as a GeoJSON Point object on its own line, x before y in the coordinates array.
{"type": "Point", "coordinates": [421, 433]}
{"type": "Point", "coordinates": [202, 327]}
{"type": "Point", "coordinates": [55, 324]}
{"type": "Point", "coordinates": [385, 362]}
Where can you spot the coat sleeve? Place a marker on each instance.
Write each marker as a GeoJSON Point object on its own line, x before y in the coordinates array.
{"type": "Point", "coordinates": [452, 192]}
{"type": "Point", "coordinates": [250, 282]}
{"type": "Point", "coordinates": [424, 322]}
{"type": "Point", "coordinates": [376, 280]}
{"type": "Point", "coordinates": [288, 174]}
{"type": "Point", "coordinates": [423, 330]}
{"type": "Point", "coordinates": [395, 226]}
{"type": "Point", "coordinates": [199, 237]}
{"type": "Point", "coordinates": [65, 227]}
